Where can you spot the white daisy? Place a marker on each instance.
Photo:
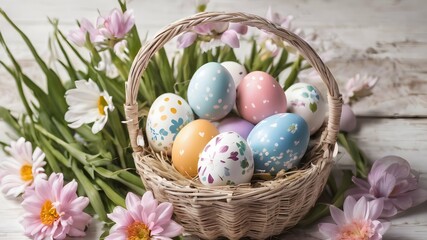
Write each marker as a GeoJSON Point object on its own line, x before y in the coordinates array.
{"type": "Point", "coordinates": [20, 170]}
{"type": "Point", "coordinates": [87, 104]}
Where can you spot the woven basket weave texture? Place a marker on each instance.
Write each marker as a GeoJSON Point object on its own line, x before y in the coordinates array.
{"type": "Point", "coordinates": [257, 210]}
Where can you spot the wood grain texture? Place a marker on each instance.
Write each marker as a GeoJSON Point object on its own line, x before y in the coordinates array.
{"type": "Point", "coordinates": [386, 38]}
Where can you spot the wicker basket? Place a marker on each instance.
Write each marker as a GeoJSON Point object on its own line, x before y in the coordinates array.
{"type": "Point", "coordinates": [257, 210]}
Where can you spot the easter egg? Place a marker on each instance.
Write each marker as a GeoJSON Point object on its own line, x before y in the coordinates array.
{"type": "Point", "coordinates": [211, 92]}
{"type": "Point", "coordinates": [279, 142]}
{"type": "Point", "coordinates": [188, 145]}
{"type": "Point", "coordinates": [259, 96]}
{"type": "Point", "coordinates": [306, 101]}
{"type": "Point", "coordinates": [226, 160]}
{"type": "Point", "coordinates": [168, 114]}
{"type": "Point", "coordinates": [236, 124]}
{"type": "Point", "coordinates": [237, 71]}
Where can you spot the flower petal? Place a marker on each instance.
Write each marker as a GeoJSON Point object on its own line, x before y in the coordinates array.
{"type": "Point", "coordinates": [338, 215]}
{"type": "Point", "coordinates": [239, 28]}
{"type": "Point", "coordinates": [360, 209]}
{"type": "Point", "coordinates": [164, 213]}
{"type": "Point", "coordinates": [230, 38]}
{"type": "Point", "coordinates": [172, 229]}
{"type": "Point", "coordinates": [418, 196]}
{"type": "Point", "coordinates": [375, 209]}
{"type": "Point", "coordinates": [186, 39]}
{"type": "Point", "coordinates": [384, 186]}
{"type": "Point", "coordinates": [349, 204]}
{"type": "Point", "coordinates": [328, 230]}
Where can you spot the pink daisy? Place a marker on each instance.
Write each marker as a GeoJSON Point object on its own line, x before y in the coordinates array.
{"type": "Point", "coordinates": [54, 210]}
{"type": "Point", "coordinates": [358, 221]}
{"type": "Point", "coordinates": [144, 218]}
{"type": "Point", "coordinates": [18, 172]}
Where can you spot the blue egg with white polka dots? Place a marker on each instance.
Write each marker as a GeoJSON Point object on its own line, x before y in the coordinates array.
{"type": "Point", "coordinates": [212, 92]}
{"type": "Point", "coordinates": [279, 142]}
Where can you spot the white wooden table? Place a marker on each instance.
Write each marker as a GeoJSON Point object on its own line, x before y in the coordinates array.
{"type": "Point", "coordinates": [383, 38]}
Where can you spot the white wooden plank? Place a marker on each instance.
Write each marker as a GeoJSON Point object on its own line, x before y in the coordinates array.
{"type": "Point", "coordinates": [403, 137]}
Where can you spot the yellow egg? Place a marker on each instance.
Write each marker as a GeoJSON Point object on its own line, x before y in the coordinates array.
{"type": "Point", "coordinates": [189, 144]}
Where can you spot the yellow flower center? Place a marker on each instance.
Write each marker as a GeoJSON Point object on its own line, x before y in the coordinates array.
{"type": "Point", "coordinates": [138, 231]}
{"type": "Point", "coordinates": [27, 173]}
{"type": "Point", "coordinates": [101, 105]}
{"type": "Point", "coordinates": [48, 214]}
{"type": "Point", "coordinates": [357, 230]}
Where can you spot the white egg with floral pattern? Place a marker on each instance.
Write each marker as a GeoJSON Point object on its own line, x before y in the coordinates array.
{"type": "Point", "coordinates": [226, 160]}
{"type": "Point", "coordinates": [168, 114]}
{"type": "Point", "coordinates": [306, 101]}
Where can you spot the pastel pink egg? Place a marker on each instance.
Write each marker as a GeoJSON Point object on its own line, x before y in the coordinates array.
{"type": "Point", "coordinates": [259, 96]}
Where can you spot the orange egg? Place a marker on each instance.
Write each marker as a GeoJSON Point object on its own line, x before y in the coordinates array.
{"type": "Point", "coordinates": [189, 144]}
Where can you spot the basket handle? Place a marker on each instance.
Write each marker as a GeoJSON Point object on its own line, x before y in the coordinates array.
{"type": "Point", "coordinates": [144, 55]}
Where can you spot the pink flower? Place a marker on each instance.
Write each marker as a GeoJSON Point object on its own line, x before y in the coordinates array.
{"type": "Point", "coordinates": [143, 219]}
{"type": "Point", "coordinates": [213, 35]}
{"type": "Point", "coordinates": [357, 221]}
{"type": "Point", "coordinates": [78, 36]}
{"type": "Point", "coordinates": [53, 210]}
{"type": "Point", "coordinates": [18, 172]}
{"type": "Point", "coordinates": [348, 121]}
{"type": "Point", "coordinates": [391, 179]}
{"type": "Point", "coordinates": [271, 42]}
{"type": "Point", "coordinates": [117, 24]}
{"type": "Point", "coordinates": [358, 87]}
{"type": "Point", "coordinates": [121, 50]}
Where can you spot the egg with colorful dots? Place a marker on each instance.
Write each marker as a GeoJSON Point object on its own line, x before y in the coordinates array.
{"type": "Point", "coordinates": [279, 142]}
{"type": "Point", "coordinates": [306, 101]}
{"type": "Point", "coordinates": [211, 92]}
{"type": "Point", "coordinates": [259, 96]}
{"type": "Point", "coordinates": [168, 114]}
{"type": "Point", "coordinates": [226, 160]}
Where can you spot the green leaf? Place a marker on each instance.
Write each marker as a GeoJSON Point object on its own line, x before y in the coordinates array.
{"type": "Point", "coordinates": [7, 117]}
{"type": "Point", "coordinates": [362, 164]}
{"type": "Point", "coordinates": [110, 193]}
{"type": "Point", "coordinates": [313, 107]}
{"type": "Point", "coordinates": [69, 67]}
{"type": "Point", "coordinates": [91, 192]}
{"type": "Point", "coordinates": [294, 73]}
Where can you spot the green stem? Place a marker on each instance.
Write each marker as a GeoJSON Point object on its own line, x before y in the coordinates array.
{"type": "Point", "coordinates": [111, 194]}
{"type": "Point", "coordinates": [91, 192]}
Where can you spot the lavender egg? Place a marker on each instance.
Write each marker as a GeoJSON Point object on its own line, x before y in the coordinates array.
{"type": "Point", "coordinates": [236, 124]}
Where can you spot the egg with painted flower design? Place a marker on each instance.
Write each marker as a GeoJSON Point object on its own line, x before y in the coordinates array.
{"type": "Point", "coordinates": [279, 142]}
{"type": "Point", "coordinates": [168, 114]}
{"type": "Point", "coordinates": [226, 160]}
{"type": "Point", "coordinates": [306, 101]}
